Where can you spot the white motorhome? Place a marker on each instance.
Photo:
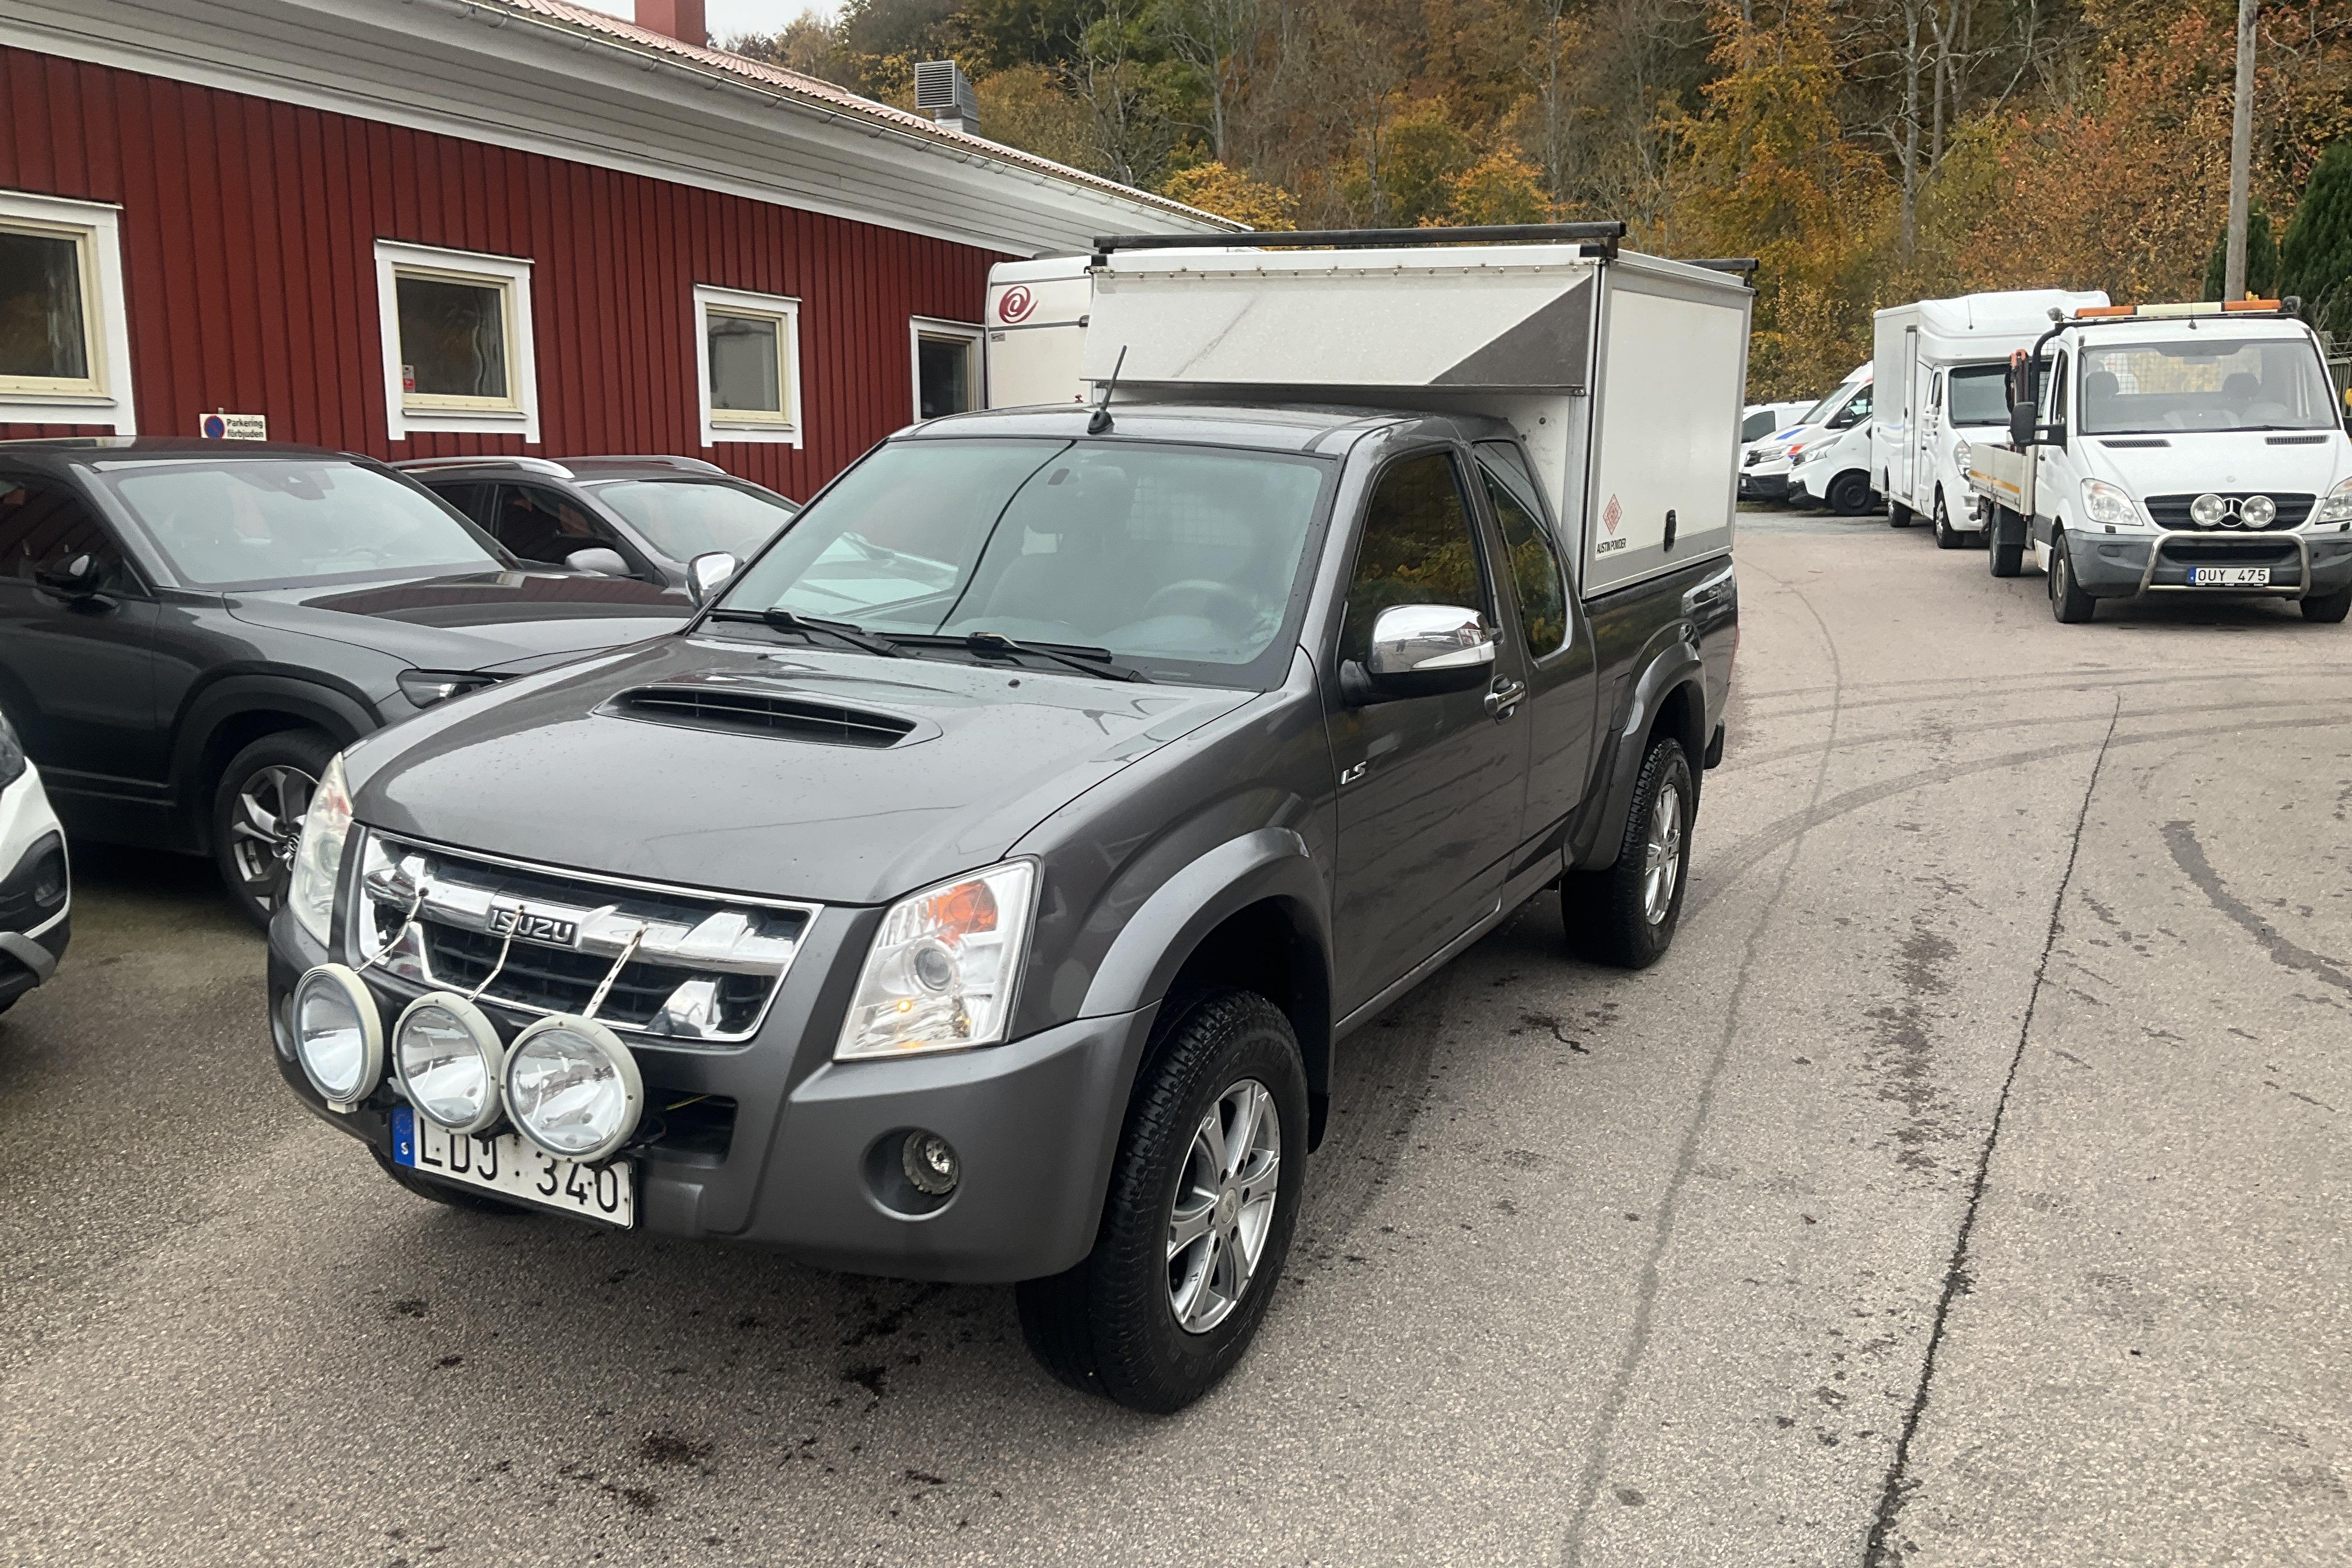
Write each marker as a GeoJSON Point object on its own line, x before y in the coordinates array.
{"type": "Point", "coordinates": [1765, 460]}
{"type": "Point", "coordinates": [2194, 449]}
{"type": "Point", "coordinates": [1941, 367]}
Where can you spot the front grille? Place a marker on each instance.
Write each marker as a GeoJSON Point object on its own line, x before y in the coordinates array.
{"type": "Point", "coordinates": [2172, 511]}
{"type": "Point", "coordinates": [711, 707]}
{"type": "Point", "coordinates": [2231, 553]}
{"type": "Point", "coordinates": [701, 967]}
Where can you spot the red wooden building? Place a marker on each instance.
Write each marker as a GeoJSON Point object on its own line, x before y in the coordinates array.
{"type": "Point", "coordinates": [416, 227]}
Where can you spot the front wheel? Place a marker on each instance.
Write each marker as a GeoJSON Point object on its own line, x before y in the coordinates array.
{"type": "Point", "coordinates": [258, 811]}
{"type": "Point", "coordinates": [2068, 603]}
{"type": "Point", "coordinates": [1850, 493]}
{"type": "Point", "coordinates": [2329, 608]}
{"type": "Point", "coordinates": [1947, 536]}
{"type": "Point", "coordinates": [1626, 915]}
{"type": "Point", "coordinates": [1197, 1223]}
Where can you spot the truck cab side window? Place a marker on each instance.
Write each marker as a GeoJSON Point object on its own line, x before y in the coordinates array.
{"type": "Point", "coordinates": [1536, 576]}
{"type": "Point", "coordinates": [2054, 413]}
{"type": "Point", "coordinates": [1418, 548]}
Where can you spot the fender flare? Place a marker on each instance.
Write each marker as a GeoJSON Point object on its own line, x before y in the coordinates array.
{"type": "Point", "coordinates": [1673, 669]}
{"type": "Point", "coordinates": [1268, 863]}
{"type": "Point", "coordinates": [341, 714]}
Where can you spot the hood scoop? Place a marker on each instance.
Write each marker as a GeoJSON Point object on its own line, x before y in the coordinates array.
{"type": "Point", "coordinates": [2135, 445]}
{"type": "Point", "coordinates": [2292, 440]}
{"type": "Point", "coordinates": [748, 709]}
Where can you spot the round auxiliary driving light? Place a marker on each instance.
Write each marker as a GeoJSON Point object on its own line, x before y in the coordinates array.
{"type": "Point", "coordinates": [2257, 511]}
{"type": "Point", "coordinates": [931, 1164]}
{"type": "Point", "coordinates": [573, 1088]}
{"type": "Point", "coordinates": [447, 1054]}
{"type": "Point", "coordinates": [338, 1034]}
{"type": "Point", "coordinates": [2208, 510]}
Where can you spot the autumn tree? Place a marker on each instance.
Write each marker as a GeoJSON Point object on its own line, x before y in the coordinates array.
{"type": "Point", "coordinates": [2262, 255]}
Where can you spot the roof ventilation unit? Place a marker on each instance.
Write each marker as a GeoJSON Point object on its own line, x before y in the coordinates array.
{"type": "Point", "coordinates": [943, 89]}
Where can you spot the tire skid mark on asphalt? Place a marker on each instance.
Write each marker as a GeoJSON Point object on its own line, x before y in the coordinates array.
{"type": "Point", "coordinates": [1723, 869]}
{"type": "Point", "coordinates": [1993, 726]}
{"type": "Point", "coordinates": [1999, 688]}
{"type": "Point", "coordinates": [1600, 1442]}
{"type": "Point", "coordinates": [2180, 837]}
{"type": "Point", "coordinates": [1879, 1547]}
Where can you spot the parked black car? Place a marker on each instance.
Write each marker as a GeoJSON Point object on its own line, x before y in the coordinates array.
{"type": "Point", "coordinates": [1153, 759]}
{"type": "Point", "coordinates": [623, 517]}
{"type": "Point", "coordinates": [189, 630]}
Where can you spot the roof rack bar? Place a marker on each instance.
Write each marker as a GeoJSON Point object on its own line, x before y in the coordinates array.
{"type": "Point", "coordinates": [1604, 235]}
{"type": "Point", "coordinates": [1744, 265]}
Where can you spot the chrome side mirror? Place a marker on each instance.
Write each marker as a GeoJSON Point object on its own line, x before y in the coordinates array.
{"type": "Point", "coordinates": [706, 576]}
{"type": "Point", "coordinates": [1422, 651]}
{"type": "Point", "coordinates": [599, 560]}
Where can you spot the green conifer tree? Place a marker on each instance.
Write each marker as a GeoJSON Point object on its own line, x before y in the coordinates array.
{"type": "Point", "coordinates": [2316, 257]}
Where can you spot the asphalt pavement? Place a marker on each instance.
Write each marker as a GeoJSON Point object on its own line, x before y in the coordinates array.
{"type": "Point", "coordinates": [1970, 1185]}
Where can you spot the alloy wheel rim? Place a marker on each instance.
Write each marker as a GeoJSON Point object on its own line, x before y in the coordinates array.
{"type": "Point", "coordinates": [1224, 1209]}
{"type": "Point", "coordinates": [1661, 856]}
{"type": "Point", "coordinates": [265, 828]}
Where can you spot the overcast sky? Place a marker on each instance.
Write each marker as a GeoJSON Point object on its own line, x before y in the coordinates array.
{"type": "Point", "coordinates": [726, 18]}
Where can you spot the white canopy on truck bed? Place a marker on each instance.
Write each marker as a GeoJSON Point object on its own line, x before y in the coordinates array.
{"type": "Point", "coordinates": [1624, 374]}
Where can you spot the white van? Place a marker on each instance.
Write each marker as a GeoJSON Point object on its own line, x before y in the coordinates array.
{"type": "Point", "coordinates": [1759, 420]}
{"type": "Point", "coordinates": [1829, 459]}
{"type": "Point", "coordinates": [1764, 461]}
{"type": "Point", "coordinates": [1943, 364]}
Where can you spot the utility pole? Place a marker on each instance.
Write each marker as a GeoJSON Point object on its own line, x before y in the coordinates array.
{"type": "Point", "coordinates": [2241, 154]}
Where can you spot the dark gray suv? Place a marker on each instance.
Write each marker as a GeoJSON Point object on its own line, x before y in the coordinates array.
{"type": "Point", "coordinates": [190, 629]}
{"type": "Point", "coordinates": [985, 885]}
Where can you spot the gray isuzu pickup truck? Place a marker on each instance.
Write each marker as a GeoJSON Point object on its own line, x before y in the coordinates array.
{"type": "Point", "coordinates": [984, 883]}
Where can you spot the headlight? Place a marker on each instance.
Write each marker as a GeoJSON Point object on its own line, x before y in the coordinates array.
{"type": "Point", "coordinates": [941, 972]}
{"type": "Point", "coordinates": [573, 1088]}
{"type": "Point", "coordinates": [12, 753]}
{"type": "Point", "coordinates": [1962, 453]}
{"type": "Point", "coordinates": [1796, 455]}
{"type": "Point", "coordinates": [447, 1055]}
{"type": "Point", "coordinates": [2208, 510]}
{"type": "Point", "coordinates": [338, 1034]}
{"type": "Point", "coordinates": [2337, 506]}
{"type": "Point", "coordinates": [319, 859]}
{"type": "Point", "coordinates": [2106, 503]}
{"type": "Point", "coordinates": [427, 687]}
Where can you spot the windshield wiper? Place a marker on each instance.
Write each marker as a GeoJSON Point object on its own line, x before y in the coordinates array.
{"type": "Point", "coordinates": [1095, 661]}
{"type": "Point", "coordinates": [841, 632]}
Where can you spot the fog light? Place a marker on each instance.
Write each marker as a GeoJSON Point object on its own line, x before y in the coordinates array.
{"type": "Point", "coordinates": [2208, 510]}
{"type": "Point", "coordinates": [447, 1054]}
{"type": "Point", "coordinates": [573, 1088]}
{"type": "Point", "coordinates": [338, 1034]}
{"type": "Point", "coordinates": [2258, 512]}
{"type": "Point", "coordinates": [930, 1164]}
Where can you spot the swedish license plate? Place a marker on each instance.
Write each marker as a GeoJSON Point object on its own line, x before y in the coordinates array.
{"type": "Point", "coordinates": [2230, 576]}
{"type": "Point", "coordinates": [509, 1166]}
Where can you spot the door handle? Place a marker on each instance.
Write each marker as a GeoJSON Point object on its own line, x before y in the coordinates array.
{"type": "Point", "coordinates": [1504, 698]}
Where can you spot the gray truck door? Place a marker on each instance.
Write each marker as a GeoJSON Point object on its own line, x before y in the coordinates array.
{"type": "Point", "coordinates": [1430, 787]}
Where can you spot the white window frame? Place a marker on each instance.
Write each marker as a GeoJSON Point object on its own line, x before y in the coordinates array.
{"type": "Point", "coordinates": [102, 398]}
{"type": "Point", "coordinates": [727, 425]}
{"type": "Point", "coordinates": [409, 413]}
{"type": "Point", "coordinates": [972, 332]}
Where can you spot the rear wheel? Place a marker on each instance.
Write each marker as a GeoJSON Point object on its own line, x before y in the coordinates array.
{"type": "Point", "coordinates": [1947, 536]}
{"type": "Point", "coordinates": [2329, 608]}
{"type": "Point", "coordinates": [2005, 543]}
{"type": "Point", "coordinates": [1627, 914]}
{"type": "Point", "coordinates": [1898, 515]}
{"type": "Point", "coordinates": [2068, 603]}
{"type": "Point", "coordinates": [1197, 1223]}
{"type": "Point", "coordinates": [1849, 493]}
{"type": "Point", "coordinates": [258, 811]}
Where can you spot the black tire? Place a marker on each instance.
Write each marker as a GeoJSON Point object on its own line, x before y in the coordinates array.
{"type": "Point", "coordinates": [1849, 494]}
{"type": "Point", "coordinates": [2328, 609]}
{"type": "Point", "coordinates": [1110, 1326]}
{"type": "Point", "coordinates": [2004, 552]}
{"type": "Point", "coordinates": [2069, 605]}
{"type": "Point", "coordinates": [1900, 516]}
{"type": "Point", "coordinates": [256, 854]}
{"type": "Point", "coordinates": [455, 1197]}
{"type": "Point", "coordinates": [1947, 536]}
{"type": "Point", "coordinates": [1609, 914]}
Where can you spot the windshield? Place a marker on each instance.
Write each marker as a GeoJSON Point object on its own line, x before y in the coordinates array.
{"type": "Point", "coordinates": [1164, 555]}
{"type": "Point", "coordinates": [1978, 394]}
{"type": "Point", "coordinates": [1828, 405]}
{"type": "Point", "coordinates": [252, 522]}
{"type": "Point", "coordinates": [686, 517]}
{"type": "Point", "coordinates": [2270, 384]}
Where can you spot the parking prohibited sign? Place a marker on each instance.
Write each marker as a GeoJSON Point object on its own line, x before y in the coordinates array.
{"type": "Point", "coordinates": [234, 427]}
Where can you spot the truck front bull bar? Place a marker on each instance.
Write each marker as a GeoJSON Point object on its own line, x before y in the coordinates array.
{"type": "Point", "coordinates": [2148, 585]}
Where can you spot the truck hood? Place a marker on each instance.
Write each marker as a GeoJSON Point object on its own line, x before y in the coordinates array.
{"type": "Point", "coordinates": [2192, 462]}
{"type": "Point", "coordinates": [569, 768]}
{"type": "Point", "coordinates": [477, 621]}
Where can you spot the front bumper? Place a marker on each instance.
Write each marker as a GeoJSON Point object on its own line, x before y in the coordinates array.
{"type": "Point", "coordinates": [1798, 493]}
{"type": "Point", "coordinates": [2124, 566]}
{"type": "Point", "coordinates": [1763, 487]}
{"type": "Point", "coordinates": [36, 891]}
{"type": "Point", "coordinates": [1035, 1123]}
